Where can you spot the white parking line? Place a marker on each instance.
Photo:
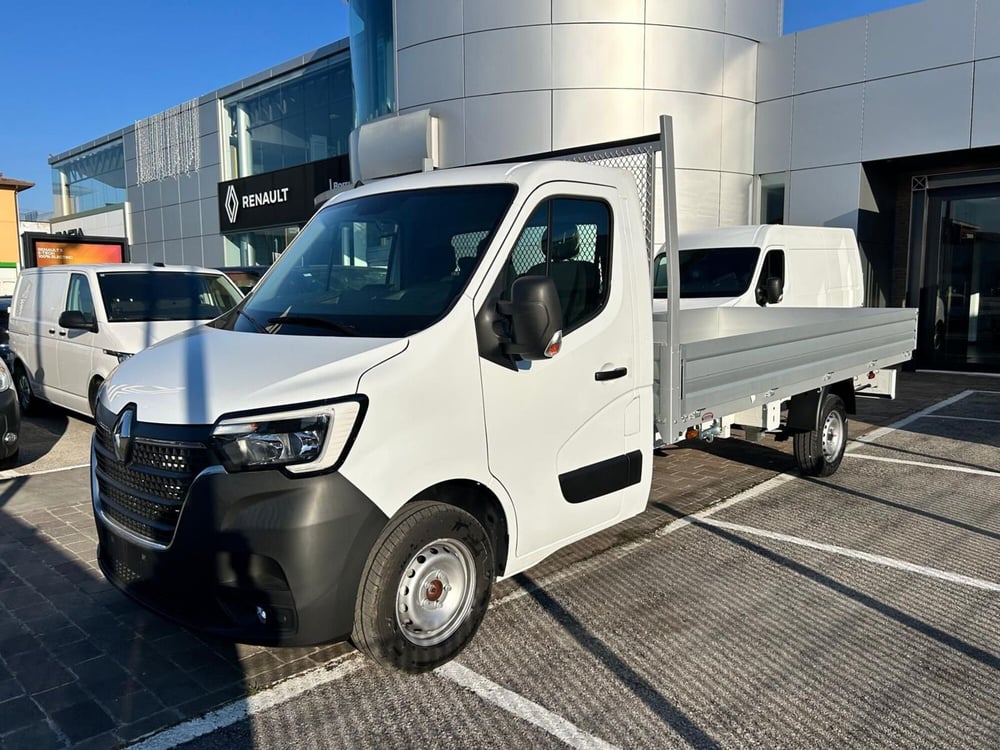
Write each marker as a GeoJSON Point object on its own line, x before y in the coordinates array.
{"type": "Point", "coordinates": [519, 706]}
{"type": "Point", "coordinates": [883, 431]}
{"type": "Point", "coordinates": [15, 474]}
{"type": "Point", "coordinates": [962, 419]}
{"type": "Point", "coordinates": [246, 707]}
{"type": "Point", "coordinates": [890, 562]}
{"type": "Point", "coordinates": [943, 467]}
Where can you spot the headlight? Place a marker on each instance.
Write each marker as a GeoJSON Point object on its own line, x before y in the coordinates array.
{"type": "Point", "coordinates": [4, 377]}
{"type": "Point", "coordinates": [120, 356]}
{"type": "Point", "coordinates": [301, 441]}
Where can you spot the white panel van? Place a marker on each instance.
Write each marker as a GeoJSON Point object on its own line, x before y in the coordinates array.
{"type": "Point", "coordinates": [70, 326]}
{"type": "Point", "coordinates": [765, 265]}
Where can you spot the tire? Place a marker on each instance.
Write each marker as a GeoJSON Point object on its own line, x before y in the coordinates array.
{"type": "Point", "coordinates": [820, 451]}
{"type": "Point", "coordinates": [95, 386]}
{"type": "Point", "coordinates": [11, 461]}
{"type": "Point", "coordinates": [25, 396]}
{"type": "Point", "coordinates": [448, 557]}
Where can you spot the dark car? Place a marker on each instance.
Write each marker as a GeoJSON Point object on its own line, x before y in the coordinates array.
{"type": "Point", "coordinates": [10, 419]}
{"type": "Point", "coordinates": [245, 277]}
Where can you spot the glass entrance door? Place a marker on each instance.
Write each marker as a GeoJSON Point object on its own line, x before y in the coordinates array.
{"type": "Point", "coordinates": [961, 318]}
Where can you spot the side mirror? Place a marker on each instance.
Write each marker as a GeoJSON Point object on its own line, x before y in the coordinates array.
{"type": "Point", "coordinates": [536, 318]}
{"type": "Point", "coordinates": [770, 292]}
{"type": "Point", "coordinates": [76, 320]}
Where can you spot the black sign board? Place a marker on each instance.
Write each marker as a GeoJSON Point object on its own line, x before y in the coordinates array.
{"type": "Point", "coordinates": [278, 198]}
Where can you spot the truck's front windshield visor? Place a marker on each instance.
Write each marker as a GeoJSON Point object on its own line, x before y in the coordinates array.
{"type": "Point", "coordinates": [716, 271]}
{"type": "Point", "coordinates": [384, 265]}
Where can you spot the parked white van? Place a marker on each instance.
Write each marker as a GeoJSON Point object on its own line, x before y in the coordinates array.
{"type": "Point", "coordinates": [765, 265]}
{"type": "Point", "coordinates": [70, 326]}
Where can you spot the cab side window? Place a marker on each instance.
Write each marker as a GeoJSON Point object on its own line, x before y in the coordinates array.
{"type": "Point", "coordinates": [568, 240]}
{"type": "Point", "coordinates": [772, 268]}
{"type": "Point", "coordinates": [79, 298]}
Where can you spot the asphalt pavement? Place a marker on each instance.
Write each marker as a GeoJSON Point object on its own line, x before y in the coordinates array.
{"type": "Point", "coordinates": [748, 607]}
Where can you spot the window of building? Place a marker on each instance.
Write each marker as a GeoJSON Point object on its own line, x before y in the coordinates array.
{"type": "Point", "coordinates": [91, 180]}
{"type": "Point", "coordinates": [373, 56]}
{"type": "Point", "coordinates": [568, 240]}
{"type": "Point", "coordinates": [772, 198]}
{"type": "Point", "coordinates": [260, 247]}
{"type": "Point", "coordinates": [303, 117]}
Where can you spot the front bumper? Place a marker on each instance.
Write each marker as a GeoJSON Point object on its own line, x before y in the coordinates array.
{"type": "Point", "coordinates": [256, 557]}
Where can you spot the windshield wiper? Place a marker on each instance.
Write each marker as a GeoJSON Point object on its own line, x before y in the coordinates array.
{"type": "Point", "coordinates": [306, 320]}
{"type": "Point", "coordinates": [258, 326]}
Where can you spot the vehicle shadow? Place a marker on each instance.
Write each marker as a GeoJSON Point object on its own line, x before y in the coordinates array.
{"type": "Point", "coordinates": [41, 433]}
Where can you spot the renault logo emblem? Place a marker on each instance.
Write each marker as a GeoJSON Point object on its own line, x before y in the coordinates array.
{"type": "Point", "coordinates": [122, 434]}
{"type": "Point", "coordinates": [232, 204]}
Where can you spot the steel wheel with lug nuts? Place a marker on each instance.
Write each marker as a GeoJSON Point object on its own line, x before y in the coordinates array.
{"type": "Point", "coordinates": [820, 451]}
{"type": "Point", "coordinates": [425, 588]}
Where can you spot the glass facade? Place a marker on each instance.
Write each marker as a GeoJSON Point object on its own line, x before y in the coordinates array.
{"type": "Point", "coordinates": [292, 120]}
{"type": "Point", "coordinates": [772, 198]}
{"type": "Point", "coordinates": [373, 55]}
{"type": "Point", "coordinates": [91, 180]}
{"type": "Point", "coordinates": [260, 247]}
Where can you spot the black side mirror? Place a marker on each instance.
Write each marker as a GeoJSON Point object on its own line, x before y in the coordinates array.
{"type": "Point", "coordinates": [770, 292]}
{"type": "Point", "coordinates": [535, 317]}
{"type": "Point", "coordinates": [76, 320]}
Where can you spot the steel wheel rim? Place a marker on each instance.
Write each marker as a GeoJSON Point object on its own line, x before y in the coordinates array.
{"type": "Point", "coordinates": [436, 592]}
{"type": "Point", "coordinates": [833, 436]}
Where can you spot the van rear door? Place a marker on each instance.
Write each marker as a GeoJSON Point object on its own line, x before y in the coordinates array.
{"type": "Point", "coordinates": [41, 355]}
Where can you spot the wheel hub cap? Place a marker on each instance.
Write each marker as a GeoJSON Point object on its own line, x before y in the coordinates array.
{"type": "Point", "coordinates": [833, 436]}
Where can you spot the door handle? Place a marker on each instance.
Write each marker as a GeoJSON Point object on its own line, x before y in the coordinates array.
{"type": "Point", "coordinates": [618, 372]}
{"type": "Point", "coordinates": [52, 330]}
{"type": "Point", "coordinates": [62, 333]}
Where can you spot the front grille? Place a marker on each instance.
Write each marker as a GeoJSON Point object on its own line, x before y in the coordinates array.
{"type": "Point", "coordinates": [146, 494]}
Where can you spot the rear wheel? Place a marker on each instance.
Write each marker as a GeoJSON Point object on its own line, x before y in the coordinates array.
{"type": "Point", "coordinates": [25, 396]}
{"type": "Point", "coordinates": [11, 461]}
{"type": "Point", "coordinates": [425, 589]}
{"type": "Point", "coordinates": [820, 451]}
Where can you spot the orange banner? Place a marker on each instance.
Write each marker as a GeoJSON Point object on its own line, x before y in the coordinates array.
{"type": "Point", "coordinates": [49, 253]}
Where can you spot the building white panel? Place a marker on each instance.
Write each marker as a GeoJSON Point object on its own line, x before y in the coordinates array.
{"type": "Point", "coordinates": [924, 35]}
{"type": "Point", "coordinates": [988, 18]}
{"type": "Point", "coordinates": [419, 21]}
{"type": "Point", "coordinates": [773, 136]}
{"type": "Point", "coordinates": [755, 19]}
{"type": "Point", "coordinates": [740, 75]}
{"type": "Point", "coordinates": [591, 11]}
{"type": "Point", "coordinates": [597, 55]}
{"type": "Point", "coordinates": [190, 219]}
{"type": "Point", "coordinates": [735, 199]}
{"type": "Point", "coordinates": [826, 197]}
{"type": "Point", "coordinates": [679, 59]}
{"type": "Point", "coordinates": [481, 15]}
{"type": "Point", "coordinates": [921, 113]}
{"type": "Point", "coordinates": [209, 216]}
{"type": "Point", "coordinates": [697, 200]}
{"type": "Point", "coordinates": [431, 72]}
{"type": "Point", "coordinates": [704, 14]}
{"type": "Point", "coordinates": [697, 126]}
{"type": "Point", "coordinates": [171, 222]}
{"type": "Point", "coordinates": [508, 125]}
{"type": "Point", "coordinates": [776, 68]}
{"type": "Point", "coordinates": [829, 56]}
{"type": "Point", "coordinates": [497, 62]}
{"type": "Point", "coordinates": [737, 136]}
{"type": "Point", "coordinates": [587, 116]}
{"type": "Point", "coordinates": [826, 127]}
{"type": "Point", "coordinates": [986, 104]}
{"type": "Point", "coordinates": [189, 188]}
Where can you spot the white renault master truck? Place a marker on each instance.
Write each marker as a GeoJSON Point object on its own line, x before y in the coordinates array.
{"type": "Point", "coordinates": [765, 266]}
{"type": "Point", "coordinates": [71, 325]}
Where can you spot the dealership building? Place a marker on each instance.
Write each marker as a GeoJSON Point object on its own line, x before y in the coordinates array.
{"type": "Point", "coordinates": [888, 124]}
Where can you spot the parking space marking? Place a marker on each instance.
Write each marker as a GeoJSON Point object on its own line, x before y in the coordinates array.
{"type": "Point", "coordinates": [15, 474]}
{"type": "Point", "coordinates": [519, 706]}
{"type": "Point", "coordinates": [881, 432]}
{"type": "Point", "coordinates": [890, 562]}
{"type": "Point", "coordinates": [925, 464]}
{"type": "Point", "coordinates": [962, 419]}
{"type": "Point", "coordinates": [246, 707]}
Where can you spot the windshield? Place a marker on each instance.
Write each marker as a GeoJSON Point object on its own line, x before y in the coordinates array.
{"type": "Point", "coordinates": [381, 266]}
{"type": "Point", "coordinates": [165, 295]}
{"type": "Point", "coordinates": [709, 272]}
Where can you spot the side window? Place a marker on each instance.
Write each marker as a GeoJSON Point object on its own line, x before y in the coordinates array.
{"type": "Point", "coordinates": [568, 240]}
{"type": "Point", "coordinates": [660, 285]}
{"type": "Point", "coordinates": [772, 268]}
{"type": "Point", "coordinates": [79, 296]}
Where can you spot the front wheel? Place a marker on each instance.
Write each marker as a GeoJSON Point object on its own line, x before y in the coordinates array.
{"type": "Point", "coordinates": [425, 589]}
{"type": "Point", "coordinates": [25, 396]}
{"type": "Point", "coordinates": [820, 451]}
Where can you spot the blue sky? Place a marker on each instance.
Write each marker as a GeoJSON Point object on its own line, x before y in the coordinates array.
{"type": "Point", "coordinates": [83, 70]}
